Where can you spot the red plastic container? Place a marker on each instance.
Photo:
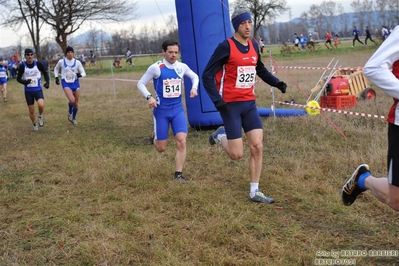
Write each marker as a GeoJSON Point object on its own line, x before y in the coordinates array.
{"type": "Point", "coordinates": [338, 102]}
{"type": "Point", "coordinates": [338, 86]}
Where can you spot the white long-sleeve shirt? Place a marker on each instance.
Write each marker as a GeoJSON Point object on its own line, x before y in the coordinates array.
{"type": "Point", "coordinates": [154, 72]}
{"type": "Point", "coordinates": [69, 67]}
{"type": "Point", "coordinates": [379, 70]}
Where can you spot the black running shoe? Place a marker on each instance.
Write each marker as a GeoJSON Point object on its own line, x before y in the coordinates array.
{"type": "Point", "coordinates": [351, 190]}
{"type": "Point", "coordinates": [152, 137]}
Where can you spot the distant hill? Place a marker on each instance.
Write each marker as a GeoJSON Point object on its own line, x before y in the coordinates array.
{"type": "Point", "coordinates": [90, 36]}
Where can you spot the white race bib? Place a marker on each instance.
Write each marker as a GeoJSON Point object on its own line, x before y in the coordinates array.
{"type": "Point", "coordinates": [33, 82]}
{"type": "Point", "coordinates": [172, 88]}
{"type": "Point", "coordinates": [245, 77]}
{"type": "Point", "coordinates": [70, 78]}
{"type": "Point", "coordinates": [3, 74]}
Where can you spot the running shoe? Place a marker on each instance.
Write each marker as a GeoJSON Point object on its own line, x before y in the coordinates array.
{"type": "Point", "coordinates": [260, 197]}
{"type": "Point", "coordinates": [35, 127]}
{"type": "Point", "coordinates": [351, 190]}
{"type": "Point", "coordinates": [41, 121]}
{"type": "Point", "coordinates": [74, 122]}
{"type": "Point", "coordinates": [213, 138]}
{"type": "Point", "coordinates": [70, 117]}
{"type": "Point", "coordinates": [181, 179]}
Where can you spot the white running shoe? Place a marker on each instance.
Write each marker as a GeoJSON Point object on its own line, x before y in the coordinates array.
{"type": "Point", "coordinates": [41, 121]}
{"type": "Point", "coordinates": [74, 122]}
{"type": "Point", "coordinates": [35, 127]}
{"type": "Point", "coordinates": [70, 117]}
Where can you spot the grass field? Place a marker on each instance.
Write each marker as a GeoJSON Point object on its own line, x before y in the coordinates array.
{"type": "Point", "coordinates": [99, 194]}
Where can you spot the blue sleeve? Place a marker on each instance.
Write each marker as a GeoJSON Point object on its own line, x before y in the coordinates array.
{"type": "Point", "coordinates": [219, 58]}
{"type": "Point", "coordinates": [265, 75]}
{"type": "Point", "coordinates": [262, 71]}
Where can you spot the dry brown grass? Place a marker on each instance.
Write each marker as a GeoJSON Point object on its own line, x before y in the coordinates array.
{"type": "Point", "coordinates": [99, 194]}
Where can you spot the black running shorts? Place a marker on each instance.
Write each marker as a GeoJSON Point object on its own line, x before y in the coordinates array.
{"type": "Point", "coordinates": [393, 154]}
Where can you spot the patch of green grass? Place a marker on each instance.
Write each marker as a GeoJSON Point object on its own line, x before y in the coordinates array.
{"type": "Point", "coordinates": [99, 194]}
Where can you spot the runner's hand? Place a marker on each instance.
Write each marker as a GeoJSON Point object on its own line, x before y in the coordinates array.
{"type": "Point", "coordinates": [221, 105]}
{"type": "Point", "coordinates": [281, 86]}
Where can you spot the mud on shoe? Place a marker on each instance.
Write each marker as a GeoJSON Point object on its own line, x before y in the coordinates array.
{"type": "Point", "coordinates": [351, 189]}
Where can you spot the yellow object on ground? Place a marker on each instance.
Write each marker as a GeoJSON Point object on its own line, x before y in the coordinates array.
{"type": "Point", "coordinates": [313, 111]}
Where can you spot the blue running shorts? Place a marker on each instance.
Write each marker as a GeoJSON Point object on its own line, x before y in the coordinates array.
{"type": "Point", "coordinates": [169, 114]}
{"type": "Point", "coordinates": [241, 115]}
{"type": "Point", "coordinates": [31, 96]}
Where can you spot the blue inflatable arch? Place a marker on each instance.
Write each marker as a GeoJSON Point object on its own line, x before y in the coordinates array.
{"type": "Point", "coordinates": [203, 24]}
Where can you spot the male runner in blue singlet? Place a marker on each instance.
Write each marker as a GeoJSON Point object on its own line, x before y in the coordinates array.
{"type": "Point", "coordinates": [167, 105]}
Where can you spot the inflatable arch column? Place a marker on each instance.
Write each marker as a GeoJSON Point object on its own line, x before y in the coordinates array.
{"type": "Point", "coordinates": [203, 24]}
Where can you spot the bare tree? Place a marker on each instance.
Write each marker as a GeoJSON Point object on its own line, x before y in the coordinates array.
{"type": "Point", "coordinates": [3, 4]}
{"type": "Point", "coordinates": [305, 20]}
{"type": "Point", "coordinates": [299, 28]}
{"type": "Point", "coordinates": [273, 32]}
{"type": "Point", "coordinates": [316, 17]}
{"type": "Point", "coordinates": [328, 9]}
{"type": "Point", "coordinates": [65, 17]}
{"type": "Point", "coordinates": [94, 39]}
{"type": "Point", "coordinates": [393, 6]}
{"type": "Point", "coordinates": [263, 11]}
{"type": "Point", "coordinates": [381, 7]}
{"type": "Point", "coordinates": [360, 13]}
{"type": "Point", "coordinates": [172, 27]}
{"type": "Point", "coordinates": [145, 40]}
{"type": "Point", "coordinates": [343, 19]}
{"type": "Point", "coordinates": [25, 12]}
{"type": "Point", "coordinates": [368, 7]}
{"type": "Point", "coordinates": [119, 42]}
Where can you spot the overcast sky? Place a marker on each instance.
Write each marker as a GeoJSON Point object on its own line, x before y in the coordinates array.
{"type": "Point", "coordinates": [158, 11]}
